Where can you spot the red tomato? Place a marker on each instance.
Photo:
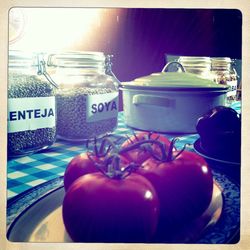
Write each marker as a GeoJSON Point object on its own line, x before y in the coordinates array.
{"type": "Point", "coordinates": [101, 209]}
{"type": "Point", "coordinates": [139, 155]}
{"type": "Point", "coordinates": [78, 166]}
{"type": "Point", "coordinates": [84, 164]}
{"type": "Point", "coordinates": [184, 186]}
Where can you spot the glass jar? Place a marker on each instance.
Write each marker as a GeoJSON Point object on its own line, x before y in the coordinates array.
{"type": "Point", "coordinates": [87, 95]}
{"type": "Point", "coordinates": [224, 73]}
{"type": "Point", "coordinates": [31, 106]}
{"type": "Point", "coordinates": [201, 66]}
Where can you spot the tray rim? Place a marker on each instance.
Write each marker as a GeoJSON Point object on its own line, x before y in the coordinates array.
{"type": "Point", "coordinates": [198, 149]}
{"type": "Point", "coordinates": [20, 196]}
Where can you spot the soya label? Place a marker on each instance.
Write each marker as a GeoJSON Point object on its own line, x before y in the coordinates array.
{"type": "Point", "coordinates": [101, 107]}
{"type": "Point", "coordinates": [31, 113]}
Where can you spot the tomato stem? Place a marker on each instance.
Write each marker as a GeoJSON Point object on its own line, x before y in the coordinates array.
{"type": "Point", "coordinates": [111, 167]}
{"type": "Point", "coordinates": [171, 149]}
{"type": "Point", "coordinates": [130, 141]}
{"type": "Point", "coordinates": [171, 156]}
{"type": "Point", "coordinates": [111, 146]}
{"type": "Point", "coordinates": [103, 150]}
{"type": "Point", "coordinates": [180, 152]}
{"type": "Point", "coordinates": [138, 144]}
{"type": "Point", "coordinates": [147, 146]}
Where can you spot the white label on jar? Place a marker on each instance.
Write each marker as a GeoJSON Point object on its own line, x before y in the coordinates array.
{"type": "Point", "coordinates": [101, 107]}
{"type": "Point", "coordinates": [233, 88]}
{"type": "Point", "coordinates": [30, 113]}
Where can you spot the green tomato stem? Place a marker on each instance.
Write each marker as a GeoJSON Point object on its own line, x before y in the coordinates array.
{"type": "Point", "coordinates": [139, 143]}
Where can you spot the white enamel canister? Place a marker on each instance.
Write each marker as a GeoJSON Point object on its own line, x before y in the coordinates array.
{"type": "Point", "coordinates": [170, 102]}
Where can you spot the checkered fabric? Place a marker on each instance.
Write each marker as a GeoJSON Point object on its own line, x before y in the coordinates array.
{"type": "Point", "coordinates": [26, 172]}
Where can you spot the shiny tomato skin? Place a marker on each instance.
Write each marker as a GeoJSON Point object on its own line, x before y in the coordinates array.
{"type": "Point", "coordinates": [78, 166]}
{"type": "Point", "coordinates": [138, 155]}
{"type": "Point", "coordinates": [100, 209]}
{"type": "Point", "coordinates": [184, 186]}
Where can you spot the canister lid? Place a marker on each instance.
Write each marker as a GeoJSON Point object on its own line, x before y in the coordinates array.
{"type": "Point", "coordinates": [174, 81]}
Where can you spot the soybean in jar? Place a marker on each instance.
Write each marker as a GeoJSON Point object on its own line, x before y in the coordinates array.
{"type": "Point", "coordinates": [31, 106]}
{"type": "Point", "coordinates": [87, 95]}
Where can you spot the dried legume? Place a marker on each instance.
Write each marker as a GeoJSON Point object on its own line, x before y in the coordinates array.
{"type": "Point", "coordinates": [28, 141]}
{"type": "Point", "coordinates": [71, 114]}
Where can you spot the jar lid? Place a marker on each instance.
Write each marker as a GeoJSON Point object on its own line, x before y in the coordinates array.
{"type": "Point", "coordinates": [221, 60]}
{"type": "Point", "coordinates": [77, 59]}
{"type": "Point", "coordinates": [19, 58]}
{"type": "Point", "coordinates": [174, 81]}
{"type": "Point", "coordinates": [221, 63]}
{"type": "Point", "coordinates": [194, 61]}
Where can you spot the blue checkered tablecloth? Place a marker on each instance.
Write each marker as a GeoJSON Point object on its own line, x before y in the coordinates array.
{"type": "Point", "coordinates": [29, 171]}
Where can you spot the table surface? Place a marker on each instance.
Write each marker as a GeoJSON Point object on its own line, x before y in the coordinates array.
{"type": "Point", "coordinates": [29, 171]}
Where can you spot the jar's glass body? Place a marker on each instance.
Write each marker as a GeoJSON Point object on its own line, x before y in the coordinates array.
{"type": "Point", "coordinates": [31, 106]}
{"type": "Point", "coordinates": [86, 98]}
{"type": "Point", "coordinates": [224, 73]}
{"type": "Point", "coordinates": [201, 66]}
